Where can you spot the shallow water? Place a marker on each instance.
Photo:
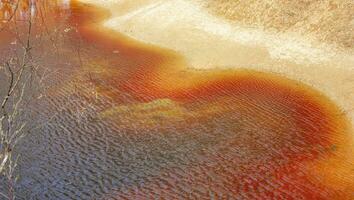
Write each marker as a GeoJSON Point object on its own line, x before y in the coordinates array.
{"type": "Point", "coordinates": [132, 121]}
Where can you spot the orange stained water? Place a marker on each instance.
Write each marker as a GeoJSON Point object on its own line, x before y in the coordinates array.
{"type": "Point", "coordinates": [285, 138]}
{"type": "Point", "coordinates": [254, 135]}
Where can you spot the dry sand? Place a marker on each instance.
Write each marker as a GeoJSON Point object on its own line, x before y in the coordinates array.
{"type": "Point", "coordinates": [328, 21]}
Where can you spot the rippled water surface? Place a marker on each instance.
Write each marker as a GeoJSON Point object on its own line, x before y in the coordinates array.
{"type": "Point", "coordinates": [132, 121]}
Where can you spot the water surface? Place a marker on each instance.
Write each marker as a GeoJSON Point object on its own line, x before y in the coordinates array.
{"type": "Point", "coordinates": [133, 121]}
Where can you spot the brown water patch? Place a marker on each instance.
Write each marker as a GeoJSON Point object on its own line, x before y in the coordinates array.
{"type": "Point", "coordinates": [287, 123]}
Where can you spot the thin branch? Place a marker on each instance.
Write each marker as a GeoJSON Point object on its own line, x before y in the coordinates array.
{"type": "Point", "coordinates": [12, 15]}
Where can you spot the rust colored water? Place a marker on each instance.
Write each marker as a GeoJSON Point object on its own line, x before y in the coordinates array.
{"type": "Point", "coordinates": [278, 130]}
{"type": "Point", "coordinates": [172, 132]}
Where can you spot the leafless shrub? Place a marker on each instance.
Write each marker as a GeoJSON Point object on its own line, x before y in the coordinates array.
{"type": "Point", "coordinates": [22, 81]}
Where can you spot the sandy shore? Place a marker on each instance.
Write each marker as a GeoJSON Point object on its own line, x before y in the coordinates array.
{"type": "Point", "coordinates": [208, 41]}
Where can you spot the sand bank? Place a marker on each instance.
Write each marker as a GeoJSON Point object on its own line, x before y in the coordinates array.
{"type": "Point", "coordinates": [187, 27]}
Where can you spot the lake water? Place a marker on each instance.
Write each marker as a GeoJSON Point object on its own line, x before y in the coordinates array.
{"type": "Point", "coordinates": [127, 120]}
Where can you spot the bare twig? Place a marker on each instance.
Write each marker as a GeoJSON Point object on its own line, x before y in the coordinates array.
{"type": "Point", "coordinates": [20, 74]}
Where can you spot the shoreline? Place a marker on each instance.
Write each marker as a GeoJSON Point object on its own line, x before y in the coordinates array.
{"type": "Point", "coordinates": [205, 50]}
{"type": "Point", "coordinates": [156, 22]}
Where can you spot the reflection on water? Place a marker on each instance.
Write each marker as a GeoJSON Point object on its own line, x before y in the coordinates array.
{"type": "Point", "coordinates": [22, 9]}
{"type": "Point", "coordinates": [132, 122]}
